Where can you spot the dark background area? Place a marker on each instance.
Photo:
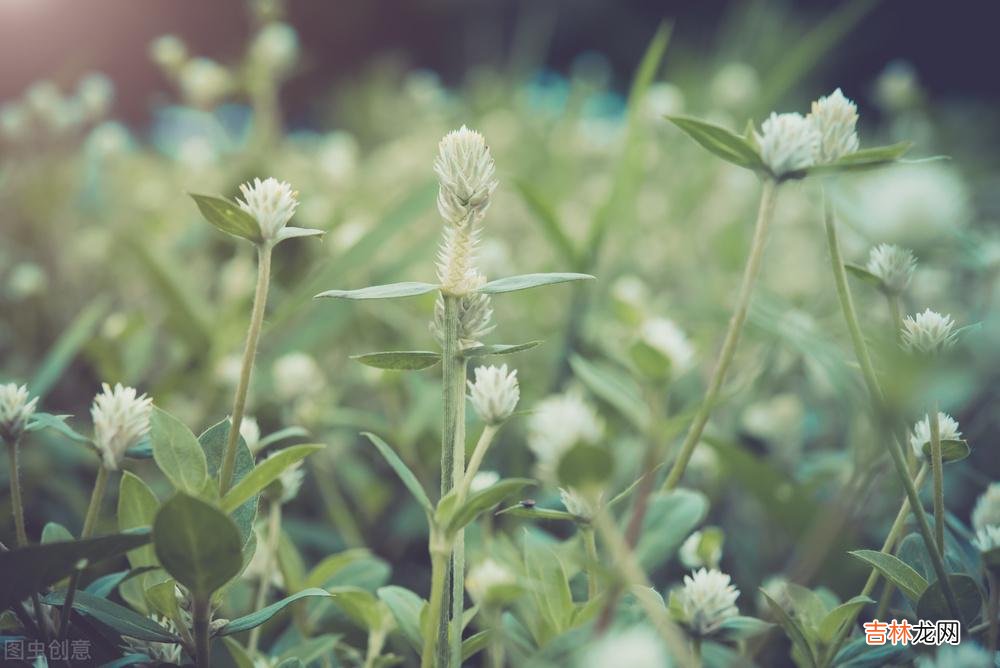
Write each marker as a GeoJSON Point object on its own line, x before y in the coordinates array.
{"type": "Point", "coordinates": [952, 45]}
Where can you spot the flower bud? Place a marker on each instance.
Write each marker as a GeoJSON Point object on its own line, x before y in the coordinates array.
{"type": "Point", "coordinates": [893, 266]}
{"type": "Point", "coordinates": [494, 394]}
{"type": "Point", "coordinates": [465, 173]}
{"type": "Point", "coordinates": [121, 420]}
{"type": "Point", "coordinates": [788, 143]}
{"type": "Point", "coordinates": [836, 118]}
{"type": "Point", "coordinates": [15, 411]}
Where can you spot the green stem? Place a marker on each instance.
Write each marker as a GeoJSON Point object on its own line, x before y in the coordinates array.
{"type": "Point", "coordinates": [937, 473]}
{"type": "Point", "coordinates": [896, 311]}
{"type": "Point", "coordinates": [590, 545]}
{"type": "Point", "coordinates": [764, 215]}
{"type": "Point", "coordinates": [476, 460]}
{"type": "Point", "coordinates": [993, 611]}
{"type": "Point", "coordinates": [249, 353]}
{"type": "Point", "coordinates": [89, 522]}
{"type": "Point", "coordinates": [270, 550]}
{"type": "Point", "coordinates": [878, 403]}
{"type": "Point", "coordinates": [696, 650]}
{"type": "Point", "coordinates": [376, 640]}
{"type": "Point", "coordinates": [432, 629]}
{"type": "Point", "coordinates": [201, 619]}
{"type": "Point", "coordinates": [17, 505]}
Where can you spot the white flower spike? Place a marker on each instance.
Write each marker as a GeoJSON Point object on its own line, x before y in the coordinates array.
{"type": "Point", "coordinates": [929, 333]}
{"type": "Point", "coordinates": [835, 118]}
{"type": "Point", "coordinates": [893, 266]}
{"type": "Point", "coordinates": [465, 172]}
{"type": "Point", "coordinates": [16, 410]}
{"type": "Point", "coordinates": [987, 509]}
{"type": "Point", "coordinates": [706, 600]}
{"type": "Point", "coordinates": [494, 394]}
{"type": "Point", "coordinates": [921, 436]}
{"type": "Point", "coordinates": [271, 202]}
{"type": "Point", "coordinates": [121, 419]}
{"type": "Point", "coordinates": [788, 143]}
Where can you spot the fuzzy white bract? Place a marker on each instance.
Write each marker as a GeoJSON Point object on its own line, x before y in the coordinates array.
{"type": "Point", "coordinates": [560, 422]}
{"type": "Point", "coordinates": [475, 319]}
{"type": "Point", "coordinates": [121, 420]}
{"type": "Point", "coordinates": [707, 599]}
{"type": "Point", "coordinates": [892, 265]}
{"type": "Point", "coordinates": [16, 408]}
{"type": "Point", "coordinates": [987, 509]}
{"type": "Point", "coordinates": [271, 202]}
{"type": "Point", "coordinates": [921, 436]}
{"type": "Point", "coordinates": [664, 336]}
{"type": "Point", "coordinates": [928, 333]}
{"type": "Point", "coordinates": [633, 647]}
{"type": "Point", "coordinates": [988, 538]}
{"type": "Point", "coordinates": [465, 172]}
{"type": "Point", "coordinates": [495, 393]}
{"type": "Point", "coordinates": [835, 118]}
{"type": "Point", "coordinates": [485, 576]}
{"type": "Point", "coordinates": [788, 143]}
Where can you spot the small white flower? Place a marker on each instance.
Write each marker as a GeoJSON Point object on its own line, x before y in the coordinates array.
{"type": "Point", "coordinates": [158, 652]}
{"type": "Point", "coordinates": [465, 171]}
{"type": "Point", "coordinates": [577, 504]}
{"type": "Point", "coordinates": [121, 420]}
{"type": "Point", "coordinates": [788, 143]}
{"type": "Point", "coordinates": [169, 52]}
{"type": "Point", "coordinates": [95, 93]}
{"type": "Point", "coordinates": [921, 436]}
{"type": "Point", "coordinates": [276, 47]}
{"type": "Point", "coordinates": [892, 265]}
{"type": "Point", "coordinates": [988, 538]}
{"type": "Point", "coordinates": [690, 553]}
{"type": "Point", "coordinates": [485, 576]}
{"type": "Point", "coordinates": [494, 394]}
{"type": "Point", "coordinates": [928, 332]}
{"type": "Point", "coordinates": [204, 81]}
{"type": "Point", "coordinates": [634, 647]}
{"type": "Point", "coordinates": [271, 202]}
{"type": "Point", "coordinates": [664, 336]}
{"type": "Point", "coordinates": [558, 423]}
{"type": "Point", "coordinates": [288, 483]}
{"type": "Point", "coordinates": [707, 599]}
{"type": "Point", "coordinates": [250, 431]}
{"type": "Point", "coordinates": [836, 118]}
{"type": "Point", "coordinates": [987, 509]}
{"type": "Point", "coordinates": [16, 408]}
{"type": "Point", "coordinates": [297, 374]}
{"type": "Point", "coordinates": [482, 480]}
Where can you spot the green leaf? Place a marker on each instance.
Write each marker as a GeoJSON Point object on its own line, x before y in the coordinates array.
{"type": "Point", "coordinates": [213, 444]}
{"type": "Point", "coordinates": [670, 519]}
{"type": "Point", "coordinates": [405, 607]}
{"type": "Point", "coordinates": [531, 512]}
{"type": "Point", "coordinates": [863, 274]}
{"type": "Point", "coordinates": [289, 232]}
{"type": "Point", "coordinates": [525, 281]}
{"type": "Point", "coordinates": [401, 360]}
{"type": "Point", "coordinates": [228, 216]}
{"type": "Point", "coordinates": [264, 474]}
{"type": "Point", "coordinates": [177, 453]}
{"type": "Point", "coordinates": [616, 388]}
{"type": "Point", "coordinates": [56, 423]}
{"type": "Point", "coordinates": [197, 544]}
{"type": "Point", "coordinates": [53, 532]}
{"type": "Point", "coordinates": [722, 142]}
{"type": "Point", "coordinates": [330, 566]}
{"type": "Point", "coordinates": [866, 158]}
{"type": "Point", "coordinates": [585, 466]}
{"type": "Point", "coordinates": [122, 620]}
{"type": "Point", "coordinates": [951, 451]}
{"type": "Point", "coordinates": [911, 583]}
{"type": "Point", "coordinates": [933, 605]}
{"type": "Point", "coordinates": [485, 499]}
{"type": "Point", "coordinates": [548, 584]}
{"type": "Point", "coordinates": [843, 613]}
{"type": "Point", "coordinates": [310, 652]}
{"type": "Point", "coordinates": [30, 569]}
{"type": "Point", "coordinates": [404, 473]}
{"type": "Point", "coordinates": [362, 607]}
{"type": "Point", "coordinates": [280, 435]}
{"type": "Point", "coordinates": [241, 658]}
{"type": "Point", "coordinates": [137, 506]}
{"type": "Point", "coordinates": [391, 291]}
{"type": "Point", "coordinates": [498, 349]}
{"type": "Point", "coordinates": [475, 644]}
{"type": "Point", "coordinates": [792, 629]}
{"type": "Point", "coordinates": [741, 628]}
{"type": "Point", "coordinates": [104, 585]}
{"type": "Point", "coordinates": [248, 622]}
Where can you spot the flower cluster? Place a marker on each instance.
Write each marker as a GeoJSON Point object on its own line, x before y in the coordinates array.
{"type": "Point", "coordinates": [706, 600]}
{"type": "Point", "coordinates": [921, 436]}
{"type": "Point", "coordinates": [495, 393]}
{"type": "Point", "coordinates": [15, 411]}
{"type": "Point", "coordinates": [560, 422]}
{"type": "Point", "coordinates": [271, 202]}
{"type": "Point", "coordinates": [928, 333]}
{"type": "Point", "coordinates": [987, 509]}
{"type": "Point", "coordinates": [893, 266]}
{"type": "Point", "coordinates": [121, 419]}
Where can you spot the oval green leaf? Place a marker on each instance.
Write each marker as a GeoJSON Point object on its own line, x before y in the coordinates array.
{"type": "Point", "coordinates": [264, 474]}
{"type": "Point", "coordinates": [177, 452]}
{"type": "Point", "coordinates": [228, 216]}
{"type": "Point", "coordinates": [933, 606]}
{"type": "Point", "coordinates": [390, 291]}
{"type": "Point", "coordinates": [485, 499]}
{"type": "Point", "coordinates": [951, 451]}
{"type": "Point", "coordinates": [124, 621]}
{"type": "Point", "coordinates": [401, 360]}
{"type": "Point", "coordinates": [404, 473]}
{"type": "Point", "coordinates": [525, 281]}
{"type": "Point", "coordinates": [213, 443]}
{"type": "Point", "coordinates": [911, 583]}
{"type": "Point", "coordinates": [248, 622]}
{"type": "Point", "coordinates": [137, 506]}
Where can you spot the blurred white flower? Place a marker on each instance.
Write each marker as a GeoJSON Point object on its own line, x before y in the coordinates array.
{"type": "Point", "coordinates": [836, 119]}
{"type": "Point", "coordinates": [14, 121]}
{"type": "Point", "coordinates": [734, 86]}
{"type": "Point", "coordinates": [577, 504]}
{"type": "Point", "coordinates": [204, 81]}
{"type": "Point", "coordinates": [297, 374]}
{"type": "Point", "coordinates": [776, 587]}
{"type": "Point", "coordinates": [558, 423]}
{"type": "Point", "coordinates": [892, 265]}
{"type": "Point", "coordinates": [921, 436]}
{"type": "Point", "coordinates": [778, 420]}
{"type": "Point", "coordinates": [897, 87]}
{"type": "Point", "coordinates": [988, 538]}
{"type": "Point", "coordinates": [250, 431]}
{"type": "Point", "coordinates": [288, 484]}
{"type": "Point", "coordinates": [690, 553]}
{"type": "Point", "coordinates": [630, 290]}
{"type": "Point", "coordinates": [987, 509]}
{"type": "Point", "coordinates": [788, 143]}
{"type": "Point", "coordinates": [707, 599]}
{"type": "Point", "coordinates": [95, 93]}
{"type": "Point", "coordinates": [664, 336]}
{"type": "Point", "coordinates": [465, 172]}
{"type": "Point", "coordinates": [495, 393]}
{"type": "Point", "coordinates": [928, 332]}
{"type": "Point", "coordinates": [482, 480]}
{"type": "Point", "coordinates": [228, 368]}
{"type": "Point", "coordinates": [662, 99]}
{"type": "Point", "coordinates": [633, 647]}
{"type": "Point", "coordinates": [276, 47]}
{"type": "Point", "coordinates": [271, 202]}
{"type": "Point", "coordinates": [157, 652]}
{"type": "Point", "coordinates": [485, 576]}
{"type": "Point", "coordinates": [109, 139]}
{"type": "Point", "coordinates": [262, 562]}
{"type": "Point", "coordinates": [16, 408]}
{"type": "Point", "coordinates": [26, 280]}
{"type": "Point", "coordinates": [338, 156]}
{"type": "Point", "coordinates": [121, 419]}
{"type": "Point", "coordinates": [169, 52]}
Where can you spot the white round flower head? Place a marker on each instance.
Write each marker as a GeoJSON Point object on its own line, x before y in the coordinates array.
{"type": "Point", "coordinates": [158, 652]}
{"type": "Point", "coordinates": [169, 52]}
{"type": "Point", "coordinates": [633, 647]}
{"type": "Point", "coordinates": [495, 393]}
{"type": "Point", "coordinates": [456, 260]}
{"type": "Point", "coordinates": [16, 408]}
{"type": "Point", "coordinates": [921, 436]}
{"type": "Point", "coordinates": [276, 47]}
{"type": "Point", "coordinates": [987, 509]}
{"type": "Point", "coordinates": [707, 599]}
{"type": "Point", "coordinates": [788, 143]}
{"type": "Point", "coordinates": [893, 266]}
{"type": "Point", "coordinates": [121, 420]}
{"type": "Point", "coordinates": [664, 336]}
{"type": "Point", "coordinates": [928, 332]}
{"type": "Point", "coordinates": [203, 81]}
{"type": "Point", "coordinates": [297, 374]}
{"type": "Point", "coordinates": [558, 423]}
{"type": "Point", "coordinates": [835, 118]}
{"type": "Point", "coordinates": [482, 480]}
{"type": "Point", "coordinates": [690, 556]}
{"type": "Point", "coordinates": [465, 171]}
{"type": "Point", "coordinates": [271, 202]}
{"type": "Point", "coordinates": [576, 504]}
{"type": "Point", "coordinates": [486, 575]}
{"type": "Point", "coordinates": [988, 538]}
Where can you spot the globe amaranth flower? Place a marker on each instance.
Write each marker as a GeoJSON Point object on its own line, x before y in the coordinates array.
{"type": "Point", "coordinates": [475, 319]}
{"type": "Point", "coordinates": [271, 202]}
{"type": "Point", "coordinates": [691, 554]}
{"type": "Point", "coordinates": [16, 408]}
{"type": "Point", "coordinates": [666, 338]}
{"type": "Point", "coordinates": [633, 647]}
{"type": "Point", "coordinates": [288, 484]}
{"type": "Point", "coordinates": [986, 512]}
{"type": "Point", "coordinates": [928, 333]}
{"type": "Point", "coordinates": [788, 143]}
{"type": "Point", "coordinates": [558, 423]}
{"type": "Point", "coordinates": [921, 436]}
{"type": "Point", "coordinates": [893, 266]}
{"type": "Point", "coordinates": [486, 577]}
{"type": "Point", "coordinates": [121, 419]}
{"type": "Point", "coordinates": [495, 393]}
{"type": "Point", "coordinates": [835, 118]}
{"type": "Point", "coordinates": [706, 600]}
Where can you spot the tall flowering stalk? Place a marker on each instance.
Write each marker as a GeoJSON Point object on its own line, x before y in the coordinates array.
{"type": "Point", "coordinates": [16, 409]}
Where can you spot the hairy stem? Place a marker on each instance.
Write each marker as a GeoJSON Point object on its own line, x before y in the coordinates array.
{"type": "Point", "coordinates": [764, 215]}
{"type": "Point", "coordinates": [201, 619]}
{"type": "Point", "coordinates": [17, 505]}
{"type": "Point", "coordinates": [89, 522]}
{"type": "Point", "coordinates": [590, 546]}
{"type": "Point", "coordinates": [896, 311]}
{"type": "Point", "coordinates": [993, 610]}
{"type": "Point", "coordinates": [937, 474]}
{"type": "Point", "coordinates": [476, 460]}
{"type": "Point", "coordinates": [432, 628]}
{"type": "Point", "coordinates": [246, 369]}
{"type": "Point", "coordinates": [270, 550]}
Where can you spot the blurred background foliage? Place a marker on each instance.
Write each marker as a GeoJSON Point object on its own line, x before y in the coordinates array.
{"type": "Point", "coordinates": [107, 272]}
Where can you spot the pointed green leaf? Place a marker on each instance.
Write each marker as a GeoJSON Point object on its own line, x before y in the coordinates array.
{"type": "Point", "coordinates": [792, 629]}
{"type": "Point", "coordinates": [104, 585]}
{"type": "Point", "coordinates": [546, 216]}
{"type": "Point", "coordinates": [264, 474]}
{"type": "Point", "coordinates": [213, 443]}
{"type": "Point", "coordinates": [618, 389]}
{"type": "Point", "coordinates": [391, 291]}
{"type": "Point", "coordinates": [362, 607]}
{"type": "Point", "coordinates": [405, 607]}
{"type": "Point", "coordinates": [257, 618]}
{"type": "Point", "coordinates": [56, 423]}
{"type": "Point", "coordinates": [843, 613]}
{"type": "Point", "coordinates": [197, 544]}
{"type": "Point", "coordinates": [137, 506]}
{"type": "Point", "coordinates": [400, 360]}
{"type": "Point", "coordinates": [863, 274]}
{"type": "Point", "coordinates": [475, 644]}
{"type": "Point", "coordinates": [281, 435]}
{"type": "Point", "coordinates": [330, 566]}
{"type": "Point", "coordinates": [671, 518]}
{"type": "Point", "coordinates": [404, 473]}
{"type": "Point", "coordinates": [53, 532]}
{"type": "Point", "coordinates": [531, 512]}
{"type": "Point", "coordinates": [954, 450]}
{"type": "Point", "coordinates": [933, 605]}
{"type": "Point", "coordinates": [228, 216]}
{"type": "Point", "coordinates": [294, 232]}
{"type": "Point", "coordinates": [525, 281]}
{"type": "Point", "coordinates": [122, 620]}
{"type": "Point", "coordinates": [498, 349]}
{"type": "Point", "coordinates": [741, 628]}
{"type": "Point", "coordinates": [722, 142]}
{"type": "Point", "coordinates": [911, 583]}
{"type": "Point", "coordinates": [866, 158]}
{"type": "Point", "coordinates": [177, 452]}
{"type": "Point", "coordinates": [485, 499]}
